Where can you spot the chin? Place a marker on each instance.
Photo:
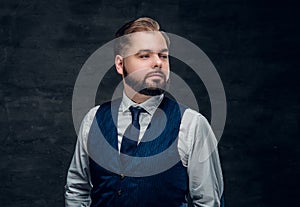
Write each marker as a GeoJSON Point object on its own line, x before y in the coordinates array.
{"type": "Point", "coordinates": [152, 91]}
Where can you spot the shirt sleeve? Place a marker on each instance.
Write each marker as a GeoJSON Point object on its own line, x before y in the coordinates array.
{"type": "Point", "coordinates": [204, 169]}
{"type": "Point", "coordinates": [78, 185]}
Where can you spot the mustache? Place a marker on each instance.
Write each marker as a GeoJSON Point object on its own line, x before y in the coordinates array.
{"type": "Point", "coordinates": [156, 72]}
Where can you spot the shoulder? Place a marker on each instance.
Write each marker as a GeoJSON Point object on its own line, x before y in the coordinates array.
{"type": "Point", "coordinates": [90, 114]}
{"type": "Point", "coordinates": [194, 115]}
{"type": "Point", "coordinates": [87, 121]}
{"type": "Point", "coordinates": [86, 125]}
{"type": "Point", "coordinates": [195, 123]}
{"type": "Point", "coordinates": [193, 132]}
{"type": "Point", "coordinates": [99, 109]}
{"type": "Point", "coordinates": [196, 133]}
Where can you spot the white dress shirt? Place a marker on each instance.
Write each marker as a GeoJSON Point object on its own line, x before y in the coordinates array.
{"type": "Point", "coordinates": [197, 147]}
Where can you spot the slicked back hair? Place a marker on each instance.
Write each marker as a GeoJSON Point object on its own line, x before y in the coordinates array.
{"type": "Point", "coordinates": [143, 24]}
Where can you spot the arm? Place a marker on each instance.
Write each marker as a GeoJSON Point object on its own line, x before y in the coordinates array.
{"type": "Point", "coordinates": [78, 186]}
{"type": "Point", "coordinates": [77, 189]}
{"type": "Point", "coordinates": [204, 169]}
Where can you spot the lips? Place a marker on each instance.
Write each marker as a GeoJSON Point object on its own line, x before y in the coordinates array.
{"type": "Point", "coordinates": [156, 74]}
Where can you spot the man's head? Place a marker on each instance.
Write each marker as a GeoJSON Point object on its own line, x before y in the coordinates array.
{"type": "Point", "coordinates": [142, 57]}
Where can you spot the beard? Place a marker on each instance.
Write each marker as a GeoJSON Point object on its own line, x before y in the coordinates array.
{"type": "Point", "coordinates": [143, 87]}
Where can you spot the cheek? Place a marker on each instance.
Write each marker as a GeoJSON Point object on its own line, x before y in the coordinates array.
{"type": "Point", "coordinates": [136, 65]}
{"type": "Point", "coordinates": [166, 71]}
{"type": "Point", "coordinates": [166, 68]}
{"type": "Point", "coordinates": [166, 65]}
{"type": "Point", "coordinates": [136, 70]}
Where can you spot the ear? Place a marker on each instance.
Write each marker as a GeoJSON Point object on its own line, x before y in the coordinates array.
{"type": "Point", "coordinates": [119, 63]}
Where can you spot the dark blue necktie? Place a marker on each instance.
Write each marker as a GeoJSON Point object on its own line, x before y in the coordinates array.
{"type": "Point", "coordinates": [131, 135]}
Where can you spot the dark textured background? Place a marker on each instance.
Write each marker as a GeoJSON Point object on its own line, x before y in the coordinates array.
{"type": "Point", "coordinates": [253, 44]}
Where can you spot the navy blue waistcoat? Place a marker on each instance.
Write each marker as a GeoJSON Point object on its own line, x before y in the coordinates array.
{"type": "Point", "coordinates": [168, 188]}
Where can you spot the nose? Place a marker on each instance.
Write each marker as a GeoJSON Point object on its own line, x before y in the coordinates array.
{"type": "Point", "coordinates": [157, 62]}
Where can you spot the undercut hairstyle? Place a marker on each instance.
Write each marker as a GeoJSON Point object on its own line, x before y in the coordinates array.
{"type": "Point", "coordinates": [143, 24]}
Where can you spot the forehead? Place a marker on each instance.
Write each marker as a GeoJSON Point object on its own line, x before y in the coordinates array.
{"type": "Point", "coordinates": [153, 41]}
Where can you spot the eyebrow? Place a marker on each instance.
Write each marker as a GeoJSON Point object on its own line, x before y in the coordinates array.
{"type": "Point", "coordinates": [147, 50]}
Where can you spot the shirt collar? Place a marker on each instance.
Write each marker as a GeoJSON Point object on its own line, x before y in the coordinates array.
{"type": "Point", "coordinates": [150, 105]}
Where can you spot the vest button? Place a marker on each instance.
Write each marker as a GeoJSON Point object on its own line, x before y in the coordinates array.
{"type": "Point", "coordinates": [119, 192]}
{"type": "Point", "coordinates": [122, 176]}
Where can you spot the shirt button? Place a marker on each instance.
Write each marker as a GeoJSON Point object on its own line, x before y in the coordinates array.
{"type": "Point", "coordinates": [119, 192]}
{"type": "Point", "coordinates": [122, 176]}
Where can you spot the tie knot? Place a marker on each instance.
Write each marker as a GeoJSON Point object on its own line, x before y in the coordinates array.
{"type": "Point", "coordinates": [135, 113]}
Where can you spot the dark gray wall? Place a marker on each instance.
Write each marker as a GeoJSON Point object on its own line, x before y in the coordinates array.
{"type": "Point", "coordinates": [253, 44]}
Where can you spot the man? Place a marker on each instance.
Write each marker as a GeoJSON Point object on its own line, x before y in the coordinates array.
{"type": "Point", "coordinates": [144, 123]}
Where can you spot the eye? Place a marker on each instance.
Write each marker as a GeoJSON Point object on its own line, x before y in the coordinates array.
{"type": "Point", "coordinates": [163, 56]}
{"type": "Point", "coordinates": [144, 56]}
